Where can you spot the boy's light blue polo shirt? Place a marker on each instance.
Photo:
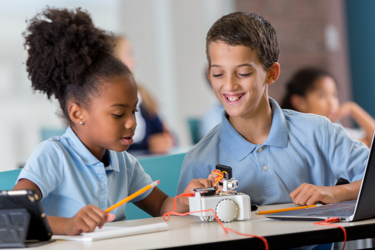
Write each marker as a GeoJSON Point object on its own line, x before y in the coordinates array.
{"type": "Point", "coordinates": [300, 148]}
{"type": "Point", "coordinates": [70, 177]}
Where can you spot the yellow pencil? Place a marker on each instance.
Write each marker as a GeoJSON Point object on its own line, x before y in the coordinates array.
{"type": "Point", "coordinates": [286, 209]}
{"type": "Point", "coordinates": [132, 196]}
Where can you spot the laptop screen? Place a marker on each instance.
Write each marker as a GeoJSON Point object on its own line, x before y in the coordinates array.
{"type": "Point", "coordinates": [366, 201]}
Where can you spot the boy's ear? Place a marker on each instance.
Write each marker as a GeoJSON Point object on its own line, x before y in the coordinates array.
{"type": "Point", "coordinates": [76, 113]}
{"type": "Point", "coordinates": [273, 73]}
{"type": "Point", "coordinates": [298, 103]}
{"type": "Point", "coordinates": [209, 74]}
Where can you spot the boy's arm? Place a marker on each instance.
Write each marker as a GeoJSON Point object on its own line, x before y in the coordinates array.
{"type": "Point", "coordinates": [308, 194]}
{"type": "Point", "coordinates": [158, 203]}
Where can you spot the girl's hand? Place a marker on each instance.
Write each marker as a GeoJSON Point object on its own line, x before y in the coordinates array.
{"type": "Point", "coordinates": [86, 220]}
{"type": "Point", "coordinates": [308, 194]}
{"type": "Point", "coordinates": [195, 183]}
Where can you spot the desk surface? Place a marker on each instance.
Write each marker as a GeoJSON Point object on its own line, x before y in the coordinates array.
{"type": "Point", "coordinates": [189, 230]}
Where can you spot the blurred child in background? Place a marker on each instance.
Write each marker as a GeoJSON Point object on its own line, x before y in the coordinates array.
{"type": "Point", "coordinates": [151, 135]}
{"type": "Point", "coordinates": [314, 90]}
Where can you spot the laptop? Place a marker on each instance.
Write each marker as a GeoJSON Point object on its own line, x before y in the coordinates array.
{"type": "Point", "coordinates": [360, 209]}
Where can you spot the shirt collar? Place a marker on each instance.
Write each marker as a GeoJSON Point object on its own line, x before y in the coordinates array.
{"type": "Point", "coordinates": [85, 155]}
{"type": "Point", "coordinates": [239, 147]}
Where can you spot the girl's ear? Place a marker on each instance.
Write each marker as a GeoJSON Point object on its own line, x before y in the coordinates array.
{"type": "Point", "coordinates": [76, 113]}
{"type": "Point", "coordinates": [273, 73]}
{"type": "Point", "coordinates": [298, 103]}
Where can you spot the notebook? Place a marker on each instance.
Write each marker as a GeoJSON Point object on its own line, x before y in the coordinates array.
{"type": "Point", "coordinates": [360, 209]}
{"type": "Point", "coordinates": [114, 232]}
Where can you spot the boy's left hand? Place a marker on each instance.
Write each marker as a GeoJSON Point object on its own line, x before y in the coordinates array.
{"type": "Point", "coordinates": [308, 194]}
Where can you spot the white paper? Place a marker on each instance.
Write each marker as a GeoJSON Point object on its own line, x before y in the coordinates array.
{"type": "Point", "coordinates": [114, 232]}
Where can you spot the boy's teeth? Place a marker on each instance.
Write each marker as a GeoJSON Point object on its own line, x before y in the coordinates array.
{"type": "Point", "coordinates": [233, 98]}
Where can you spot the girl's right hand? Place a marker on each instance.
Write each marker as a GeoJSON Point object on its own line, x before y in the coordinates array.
{"type": "Point", "coordinates": [87, 219]}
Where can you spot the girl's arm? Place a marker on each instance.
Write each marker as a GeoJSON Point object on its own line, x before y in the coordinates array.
{"type": "Point", "coordinates": [364, 120]}
{"type": "Point", "coordinates": [308, 194]}
{"type": "Point", "coordinates": [157, 202]}
{"type": "Point", "coordinates": [86, 220]}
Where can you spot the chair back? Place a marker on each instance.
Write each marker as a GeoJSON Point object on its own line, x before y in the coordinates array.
{"type": "Point", "coordinates": [194, 129]}
{"type": "Point", "coordinates": [167, 169]}
{"type": "Point", "coordinates": [8, 179]}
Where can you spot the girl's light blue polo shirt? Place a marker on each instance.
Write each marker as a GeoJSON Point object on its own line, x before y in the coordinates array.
{"type": "Point", "coordinates": [70, 177]}
{"type": "Point", "coordinates": [300, 148]}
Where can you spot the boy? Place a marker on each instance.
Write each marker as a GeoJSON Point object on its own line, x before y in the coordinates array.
{"type": "Point", "coordinates": [278, 156]}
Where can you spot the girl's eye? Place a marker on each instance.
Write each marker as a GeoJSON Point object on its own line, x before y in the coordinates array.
{"type": "Point", "coordinates": [217, 75]}
{"type": "Point", "coordinates": [134, 111]}
{"type": "Point", "coordinates": [118, 116]}
{"type": "Point", "coordinates": [244, 75]}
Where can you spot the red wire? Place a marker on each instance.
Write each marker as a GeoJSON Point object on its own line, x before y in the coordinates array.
{"type": "Point", "coordinates": [328, 222]}
{"type": "Point", "coordinates": [226, 229]}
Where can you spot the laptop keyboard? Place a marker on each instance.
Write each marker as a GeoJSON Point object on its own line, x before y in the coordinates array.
{"type": "Point", "coordinates": [342, 212]}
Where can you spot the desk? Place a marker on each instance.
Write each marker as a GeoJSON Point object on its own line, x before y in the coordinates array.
{"type": "Point", "coordinates": [189, 230]}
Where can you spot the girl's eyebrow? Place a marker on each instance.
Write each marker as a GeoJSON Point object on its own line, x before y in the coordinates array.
{"type": "Point", "coordinates": [123, 105]}
{"type": "Point", "coordinates": [120, 105]}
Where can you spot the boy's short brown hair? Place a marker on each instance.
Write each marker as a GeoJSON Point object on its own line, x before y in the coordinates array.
{"type": "Point", "coordinates": [247, 29]}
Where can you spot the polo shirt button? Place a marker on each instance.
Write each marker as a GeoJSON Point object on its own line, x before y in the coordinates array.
{"type": "Point", "coordinates": [103, 204]}
{"type": "Point", "coordinates": [265, 168]}
{"type": "Point", "coordinates": [260, 150]}
{"type": "Point", "coordinates": [103, 179]}
{"type": "Point", "coordinates": [104, 192]}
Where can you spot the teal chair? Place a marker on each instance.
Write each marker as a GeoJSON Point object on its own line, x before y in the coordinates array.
{"type": "Point", "coordinates": [47, 133]}
{"type": "Point", "coordinates": [8, 179]}
{"type": "Point", "coordinates": [164, 168]}
{"type": "Point", "coordinates": [194, 129]}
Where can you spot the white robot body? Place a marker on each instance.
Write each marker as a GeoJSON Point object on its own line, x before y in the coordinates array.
{"type": "Point", "coordinates": [228, 207]}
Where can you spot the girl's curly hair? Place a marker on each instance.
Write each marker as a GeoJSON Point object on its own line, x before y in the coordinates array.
{"type": "Point", "coordinates": [68, 57]}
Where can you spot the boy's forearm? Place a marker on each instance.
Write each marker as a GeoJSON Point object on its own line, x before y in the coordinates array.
{"type": "Point", "coordinates": [348, 191]}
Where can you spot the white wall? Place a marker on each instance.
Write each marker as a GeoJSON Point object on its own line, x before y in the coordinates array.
{"type": "Point", "coordinates": [169, 44]}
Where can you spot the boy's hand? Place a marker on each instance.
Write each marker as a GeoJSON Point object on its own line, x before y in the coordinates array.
{"type": "Point", "coordinates": [308, 194]}
{"type": "Point", "coordinates": [212, 177]}
{"type": "Point", "coordinates": [87, 219]}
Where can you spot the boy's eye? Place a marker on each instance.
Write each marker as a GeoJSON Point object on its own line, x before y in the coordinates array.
{"type": "Point", "coordinates": [217, 75]}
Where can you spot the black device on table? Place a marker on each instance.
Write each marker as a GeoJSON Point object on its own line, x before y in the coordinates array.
{"type": "Point", "coordinates": [22, 219]}
{"type": "Point", "coordinates": [227, 176]}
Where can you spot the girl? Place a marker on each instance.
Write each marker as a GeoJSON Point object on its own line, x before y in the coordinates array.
{"type": "Point", "coordinates": [86, 170]}
{"type": "Point", "coordinates": [313, 90]}
{"type": "Point", "coordinates": [151, 135]}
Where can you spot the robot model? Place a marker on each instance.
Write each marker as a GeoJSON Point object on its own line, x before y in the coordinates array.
{"type": "Point", "coordinates": [227, 203]}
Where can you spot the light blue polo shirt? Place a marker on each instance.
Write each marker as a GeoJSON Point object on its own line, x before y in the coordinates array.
{"type": "Point", "coordinates": [300, 148]}
{"type": "Point", "coordinates": [70, 177]}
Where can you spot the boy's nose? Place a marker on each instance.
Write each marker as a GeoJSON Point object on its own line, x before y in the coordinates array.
{"type": "Point", "coordinates": [229, 83]}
